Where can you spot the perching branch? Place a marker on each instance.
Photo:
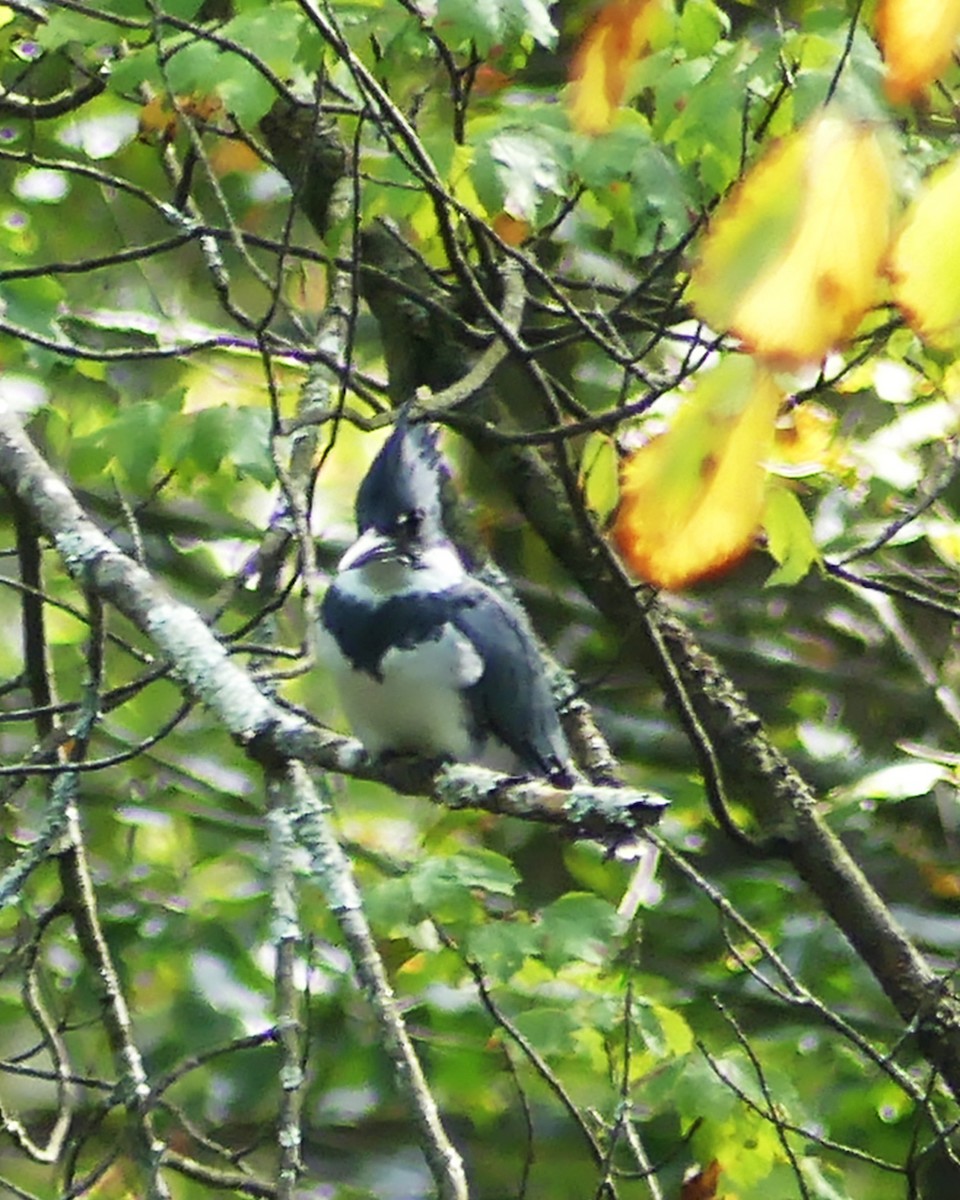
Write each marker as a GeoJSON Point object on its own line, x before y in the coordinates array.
{"type": "Point", "coordinates": [742, 762]}
{"type": "Point", "coordinates": [204, 670]}
{"type": "Point", "coordinates": [203, 667]}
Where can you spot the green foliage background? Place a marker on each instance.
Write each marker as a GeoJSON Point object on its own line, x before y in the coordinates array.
{"type": "Point", "coordinates": [143, 376]}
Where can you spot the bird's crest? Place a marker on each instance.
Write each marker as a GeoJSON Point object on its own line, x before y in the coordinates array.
{"type": "Point", "coordinates": [406, 475]}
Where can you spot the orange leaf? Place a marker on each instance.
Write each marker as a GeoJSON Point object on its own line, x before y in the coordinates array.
{"type": "Point", "coordinates": [156, 118]}
{"type": "Point", "coordinates": [942, 883]}
{"type": "Point", "coordinates": [511, 230]}
{"type": "Point", "coordinates": [925, 261]}
{"type": "Point", "coordinates": [917, 41]}
{"type": "Point", "coordinates": [619, 35]}
{"type": "Point", "coordinates": [230, 156]}
{"type": "Point", "coordinates": [702, 1185]}
{"type": "Point", "coordinates": [160, 118]}
{"type": "Point", "coordinates": [790, 261]}
{"type": "Point", "coordinates": [489, 80]}
{"type": "Point", "coordinates": [692, 498]}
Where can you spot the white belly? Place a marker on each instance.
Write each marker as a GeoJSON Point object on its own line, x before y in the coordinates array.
{"type": "Point", "coordinates": [418, 706]}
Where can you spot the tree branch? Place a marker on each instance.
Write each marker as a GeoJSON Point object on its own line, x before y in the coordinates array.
{"type": "Point", "coordinates": [737, 757]}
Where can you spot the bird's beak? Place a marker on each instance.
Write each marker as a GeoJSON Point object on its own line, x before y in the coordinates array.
{"type": "Point", "coordinates": [370, 546]}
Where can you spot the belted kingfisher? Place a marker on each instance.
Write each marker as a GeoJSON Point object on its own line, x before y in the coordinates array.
{"type": "Point", "coordinates": [427, 658]}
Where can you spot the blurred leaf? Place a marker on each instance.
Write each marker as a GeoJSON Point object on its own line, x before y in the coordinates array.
{"type": "Point", "coordinates": [692, 498]}
{"type": "Point", "coordinates": [703, 1184]}
{"type": "Point", "coordinates": [446, 886]}
{"type": "Point", "coordinates": [202, 68]}
{"type": "Point", "coordinates": [925, 261]}
{"type": "Point", "coordinates": [599, 469]}
{"type": "Point", "coordinates": [901, 781]}
{"type": "Point", "coordinates": [804, 443]}
{"type": "Point", "coordinates": [791, 258]}
{"type": "Point", "coordinates": [526, 167]}
{"type": "Point", "coordinates": [502, 946]}
{"type": "Point", "coordinates": [224, 433]}
{"type": "Point", "coordinates": [510, 229]}
{"type": "Point", "coordinates": [489, 23]}
{"type": "Point", "coordinates": [550, 1029]}
{"type": "Point", "coordinates": [944, 537]}
{"type": "Point", "coordinates": [697, 1092]}
{"type": "Point", "coordinates": [678, 1038]}
{"type": "Point", "coordinates": [789, 535]}
{"type": "Point", "coordinates": [702, 24]}
{"type": "Point", "coordinates": [33, 304]}
{"type": "Point", "coordinates": [917, 41]}
{"type": "Point", "coordinates": [272, 30]}
{"type": "Point", "coordinates": [135, 441]}
{"type": "Point", "coordinates": [620, 33]}
{"type": "Point", "coordinates": [578, 926]}
{"type": "Point", "coordinates": [824, 1181]}
{"type": "Point", "coordinates": [246, 94]}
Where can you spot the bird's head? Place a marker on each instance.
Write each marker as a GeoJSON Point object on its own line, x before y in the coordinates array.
{"type": "Point", "coordinates": [402, 543]}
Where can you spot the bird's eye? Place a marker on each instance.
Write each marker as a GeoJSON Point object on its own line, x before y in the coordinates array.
{"type": "Point", "coordinates": [409, 524]}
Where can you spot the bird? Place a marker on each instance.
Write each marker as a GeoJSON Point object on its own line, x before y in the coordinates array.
{"type": "Point", "coordinates": [429, 659]}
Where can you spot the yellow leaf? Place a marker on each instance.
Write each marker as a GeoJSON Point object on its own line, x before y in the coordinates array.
{"type": "Point", "coordinates": [917, 41]}
{"type": "Point", "coordinates": [619, 35]}
{"type": "Point", "coordinates": [924, 264]}
{"type": "Point", "coordinates": [944, 537]}
{"type": "Point", "coordinates": [692, 499]}
{"type": "Point", "coordinates": [790, 261]}
{"type": "Point", "coordinates": [804, 443]}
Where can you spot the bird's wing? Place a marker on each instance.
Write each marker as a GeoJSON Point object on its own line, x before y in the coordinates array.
{"type": "Point", "coordinates": [365, 633]}
{"type": "Point", "coordinates": [512, 697]}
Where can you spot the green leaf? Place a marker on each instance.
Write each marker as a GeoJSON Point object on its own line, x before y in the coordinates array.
{"type": "Point", "coordinates": [186, 10]}
{"type": "Point", "coordinates": [689, 1087]}
{"type": "Point", "coordinates": [272, 31]}
{"type": "Point", "coordinates": [578, 926]}
{"type": "Point", "coordinates": [676, 1036]}
{"type": "Point", "coordinates": [600, 472]}
{"type": "Point", "coordinates": [815, 1175]}
{"type": "Point", "coordinates": [210, 438]}
{"type": "Point", "coordinates": [702, 24]}
{"type": "Point", "coordinates": [250, 444]}
{"type": "Point", "coordinates": [446, 886]}
{"type": "Point", "coordinates": [789, 536]}
{"type": "Point", "coordinates": [477, 21]}
{"type": "Point", "coordinates": [62, 26]}
{"type": "Point", "coordinates": [550, 1029]}
{"type": "Point", "coordinates": [33, 304]}
{"type": "Point", "coordinates": [134, 440]}
{"type": "Point", "coordinates": [502, 947]}
{"type": "Point", "coordinates": [135, 68]}
{"type": "Point", "coordinates": [514, 171]}
{"type": "Point", "coordinates": [489, 23]}
{"type": "Point", "coordinates": [194, 68]}
{"type": "Point", "coordinates": [246, 94]}
{"type": "Point", "coordinates": [478, 868]}
{"type": "Point", "coordinates": [240, 436]}
{"type": "Point", "coordinates": [900, 781]}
